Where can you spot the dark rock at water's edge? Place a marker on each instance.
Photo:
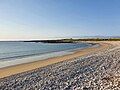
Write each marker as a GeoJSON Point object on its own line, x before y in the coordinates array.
{"type": "Point", "coordinates": [53, 41]}
{"type": "Point", "coordinates": [74, 40]}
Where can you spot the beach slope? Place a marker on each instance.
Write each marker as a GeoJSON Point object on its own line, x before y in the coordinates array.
{"type": "Point", "coordinates": [7, 71]}
{"type": "Point", "coordinates": [99, 70]}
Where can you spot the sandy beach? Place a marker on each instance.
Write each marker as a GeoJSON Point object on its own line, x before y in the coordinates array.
{"type": "Point", "coordinates": [59, 45]}
{"type": "Point", "coordinates": [97, 69]}
{"type": "Point", "coordinates": [7, 71]}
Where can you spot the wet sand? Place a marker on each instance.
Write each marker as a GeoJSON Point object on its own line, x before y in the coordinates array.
{"type": "Point", "coordinates": [7, 71]}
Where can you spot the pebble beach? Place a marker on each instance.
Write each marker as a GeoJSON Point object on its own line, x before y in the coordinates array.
{"type": "Point", "coordinates": [96, 71]}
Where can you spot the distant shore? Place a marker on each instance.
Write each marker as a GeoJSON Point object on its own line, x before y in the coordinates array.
{"type": "Point", "coordinates": [74, 40]}
{"type": "Point", "coordinates": [7, 71]}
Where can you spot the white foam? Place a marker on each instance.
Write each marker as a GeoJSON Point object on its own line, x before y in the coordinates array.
{"type": "Point", "coordinates": [33, 58]}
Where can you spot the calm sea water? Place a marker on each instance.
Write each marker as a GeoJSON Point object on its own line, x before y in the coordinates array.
{"type": "Point", "coordinates": [25, 49]}
{"type": "Point", "coordinates": [11, 51]}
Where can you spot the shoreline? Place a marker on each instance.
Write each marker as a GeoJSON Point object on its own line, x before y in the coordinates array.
{"type": "Point", "coordinates": [11, 70]}
{"type": "Point", "coordinates": [43, 56]}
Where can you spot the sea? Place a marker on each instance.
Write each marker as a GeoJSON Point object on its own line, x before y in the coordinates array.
{"type": "Point", "coordinates": [13, 53]}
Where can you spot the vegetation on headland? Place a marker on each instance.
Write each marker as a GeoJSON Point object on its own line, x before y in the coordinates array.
{"type": "Point", "coordinates": [74, 40]}
{"type": "Point", "coordinates": [99, 39]}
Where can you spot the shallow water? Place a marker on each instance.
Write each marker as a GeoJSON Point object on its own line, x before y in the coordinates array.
{"type": "Point", "coordinates": [16, 52]}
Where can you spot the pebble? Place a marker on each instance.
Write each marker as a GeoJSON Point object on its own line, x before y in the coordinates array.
{"type": "Point", "coordinates": [97, 71]}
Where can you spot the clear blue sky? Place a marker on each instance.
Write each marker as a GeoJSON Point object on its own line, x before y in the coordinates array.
{"type": "Point", "coordinates": [39, 19]}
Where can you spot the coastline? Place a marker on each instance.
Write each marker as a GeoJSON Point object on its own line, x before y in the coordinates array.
{"type": "Point", "coordinates": [11, 70]}
{"type": "Point", "coordinates": [43, 56]}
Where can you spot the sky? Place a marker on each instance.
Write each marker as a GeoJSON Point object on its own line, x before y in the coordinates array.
{"type": "Point", "coordinates": [43, 19]}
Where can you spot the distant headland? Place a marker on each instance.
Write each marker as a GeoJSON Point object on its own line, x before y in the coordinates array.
{"type": "Point", "coordinates": [74, 40]}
